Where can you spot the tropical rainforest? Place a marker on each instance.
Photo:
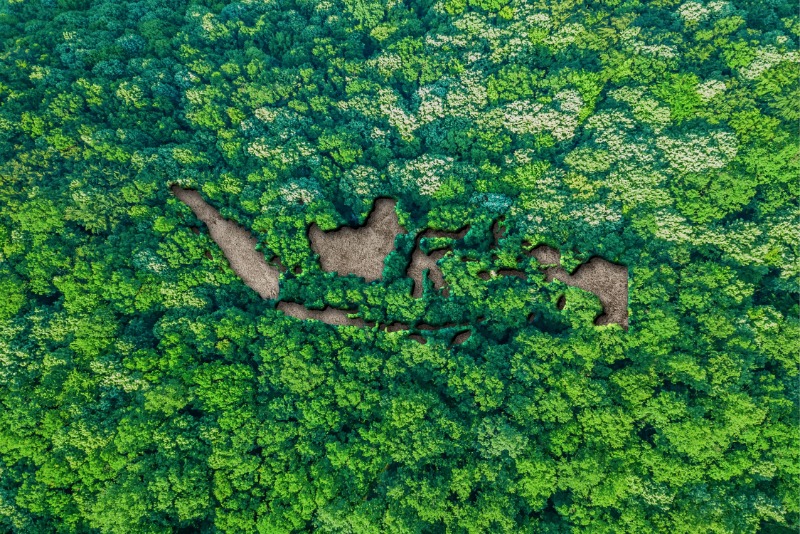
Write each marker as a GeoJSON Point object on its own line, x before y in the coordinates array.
{"type": "Point", "coordinates": [144, 388]}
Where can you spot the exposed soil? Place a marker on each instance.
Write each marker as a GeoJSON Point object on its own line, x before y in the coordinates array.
{"type": "Point", "coordinates": [607, 280]}
{"type": "Point", "coordinates": [394, 327]}
{"type": "Point", "coordinates": [512, 272]}
{"type": "Point", "coordinates": [418, 338]}
{"type": "Point", "coordinates": [498, 231]}
{"type": "Point", "coordinates": [546, 256]}
{"type": "Point", "coordinates": [360, 251]}
{"type": "Point", "coordinates": [328, 315]}
{"type": "Point", "coordinates": [461, 337]}
{"type": "Point", "coordinates": [239, 247]}
{"type": "Point", "coordinates": [237, 244]}
{"type": "Point", "coordinates": [421, 261]}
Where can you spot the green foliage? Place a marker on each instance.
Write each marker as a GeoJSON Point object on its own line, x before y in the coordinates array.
{"type": "Point", "coordinates": [145, 389]}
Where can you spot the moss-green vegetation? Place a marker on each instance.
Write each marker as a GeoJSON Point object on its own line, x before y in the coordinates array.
{"type": "Point", "coordinates": [145, 388]}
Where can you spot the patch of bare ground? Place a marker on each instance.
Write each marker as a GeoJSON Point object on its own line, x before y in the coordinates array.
{"type": "Point", "coordinates": [362, 250]}
{"type": "Point", "coordinates": [498, 231]}
{"type": "Point", "coordinates": [327, 315]}
{"type": "Point", "coordinates": [237, 244]}
{"type": "Point", "coordinates": [546, 256]}
{"type": "Point", "coordinates": [512, 272]}
{"type": "Point", "coordinates": [421, 261]}
{"type": "Point", "coordinates": [607, 280]}
{"type": "Point", "coordinates": [461, 337]}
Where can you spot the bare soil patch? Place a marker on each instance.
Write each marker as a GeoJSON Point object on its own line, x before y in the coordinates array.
{"type": "Point", "coordinates": [421, 261]}
{"type": "Point", "coordinates": [237, 244]}
{"type": "Point", "coordinates": [546, 256]}
{"type": "Point", "coordinates": [327, 315]}
{"type": "Point", "coordinates": [461, 337]}
{"type": "Point", "coordinates": [607, 280]}
{"type": "Point", "coordinates": [360, 251]}
{"type": "Point", "coordinates": [512, 272]}
{"type": "Point", "coordinates": [498, 231]}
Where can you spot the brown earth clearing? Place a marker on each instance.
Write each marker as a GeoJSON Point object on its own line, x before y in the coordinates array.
{"type": "Point", "coordinates": [360, 251]}
{"type": "Point", "coordinates": [237, 244]}
{"type": "Point", "coordinates": [421, 261]}
{"type": "Point", "coordinates": [327, 315]}
{"type": "Point", "coordinates": [607, 280]}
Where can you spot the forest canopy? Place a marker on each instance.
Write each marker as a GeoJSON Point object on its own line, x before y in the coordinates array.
{"type": "Point", "coordinates": [145, 388]}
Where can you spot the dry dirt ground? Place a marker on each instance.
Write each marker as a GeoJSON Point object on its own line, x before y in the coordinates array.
{"type": "Point", "coordinates": [359, 251]}
{"type": "Point", "coordinates": [237, 244]}
{"type": "Point", "coordinates": [327, 315]}
{"type": "Point", "coordinates": [607, 280]}
{"type": "Point", "coordinates": [421, 261]}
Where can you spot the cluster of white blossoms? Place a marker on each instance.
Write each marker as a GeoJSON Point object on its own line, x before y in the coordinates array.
{"type": "Point", "coordinates": [289, 154]}
{"type": "Point", "coordinates": [783, 234]}
{"type": "Point", "coordinates": [659, 51]}
{"type": "Point", "coordinates": [695, 153]}
{"type": "Point", "coordinates": [595, 214]}
{"type": "Point", "coordinates": [545, 202]}
{"type": "Point", "coordinates": [467, 95]}
{"type": "Point", "coordinates": [176, 296]}
{"type": "Point", "coordinates": [281, 122]}
{"type": "Point", "coordinates": [633, 177]}
{"type": "Point", "coordinates": [361, 180]}
{"type": "Point", "coordinates": [560, 118]}
{"type": "Point", "coordinates": [693, 12]}
{"type": "Point", "coordinates": [610, 129]}
{"type": "Point", "coordinates": [304, 190]}
{"type": "Point", "coordinates": [672, 227]}
{"type": "Point", "coordinates": [212, 27]}
{"type": "Point", "coordinates": [430, 103]}
{"type": "Point", "coordinates": [565, 35]}
{"type": "Point", "coordinates": [645, 108]}
{"type": "Point", "coordinates": [477, 25]}
{"type": "Point", "coordinates": [527, 17]}
{"type": "Point", "coordinates": [513, 49]}
{"type": "Point", "coordinates": [642, 48]}
{"type": "Point", "coordinates": [569, 101]}
{"type": "Point", "coordinates": [521, 156]}
{"type": "Point", "coordinates": [586, 159]}
{"type": "Point", "coordinates": [147, 259]}
{"type": "Point", "coordinates": [439, 41]}
{"type": "Point", "coordinates": [636, 185]}
{"type": "Point", "coordinates": [400, 119]}
{"type": "Point", "coordinates": [766, 58]}
{"type": "Point", "coordinates": [423, 175]}
{"type": "Point", "coordinates": [386, 63]}
{"type": "Point", "coordinates": [265, 114]}
{"type": "Point", "coordinates": [743, 241]}
{"type": "Point", "coordinates": [112, 375]}
{"type": "Point", "coordinates": [710, 88]}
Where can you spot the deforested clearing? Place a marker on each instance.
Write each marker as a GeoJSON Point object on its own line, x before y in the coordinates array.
{"type": "Point", "coordinates": [420, 261]}
{"type": "Point", "coordinates": [237, 244]}
{"type": "Point", "coordinates": [327, 315]}
{"type": "Point", "coordinates": [359, 251]}
{"type": "Point", "coordinates": [362, 251]}
{"type": "Point", "coordinates": [607, 280]}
